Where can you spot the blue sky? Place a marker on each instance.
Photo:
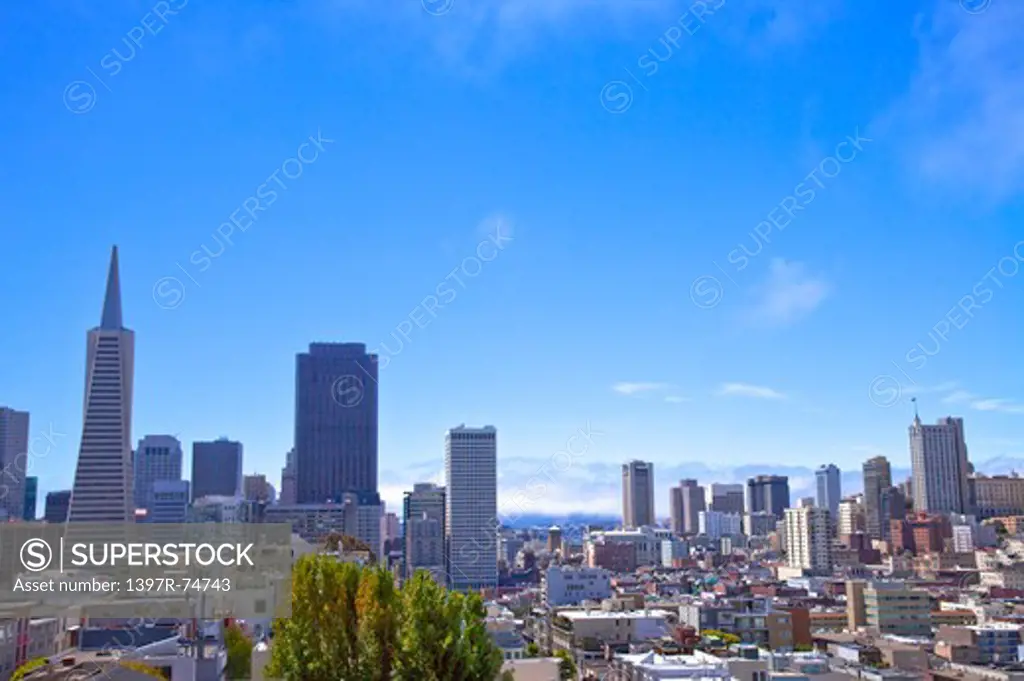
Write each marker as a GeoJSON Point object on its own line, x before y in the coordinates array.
{"type": "Point", "coordinates": [868, 156]}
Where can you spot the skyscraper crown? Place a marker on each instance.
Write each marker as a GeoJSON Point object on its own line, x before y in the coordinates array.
{"type": "Point", "coordinates": [112, 300]}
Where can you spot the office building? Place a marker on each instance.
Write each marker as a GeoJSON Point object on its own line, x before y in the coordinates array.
{"type": "Point", "coordinates": [726, 498]}
{"type": "Point", "coordinates": [891, 608]}
{"type": "Point", "coordinates": [390, 532]}
{"type": "Point", "coordinates": [938, 461]}
{"type": "Point", "coordinates": [355, 514]}
{"type": "Point", "coordinates": [686, 501]}
{"type": "Point", "coordinates": [829, 489]}
{"type": "Point", "coordinates": [760, 524]}
{"type": "Point", "coordinates": [423, 512]}
{"type": "Point", "coordinates": [57, 505]}
{"type": "Point", "coordinates": [716, 524]}
{"type": "Point", "coordinates": [998, 495]}
{"type": "Point", "coordinates": [335, 422]}
{"type": "Point", "coordinates": [892, 507]}
{"type": "Point", "coordinates": [808, 544]}
{"type": "Point", "coordinates": [877, 477]}
{"type": "Point", "coordinates": [288, 490]}
{"type": "Point", "coordinates": [14, 460]}
{"type": "Point", "coordinates": [216, 468]}
{"type": "Point", "coordinates": [256, 488]}
{"type": "Point", "coordinates": [157, 457]}
{"type": "Point", "coordinates": [768, 493]}
{"type": "Point", "coordinates": [471, 507]}
{"type": "Point", "coordinates": [102, 491]}
{"type": "Point", "coordinates": [31, 495]}
{"type": "Point", "coordinates": [554, 539]}
{"type": "Point", "coordinates": [637, 494]}
{"type": "Point", "coordinates": [168, 502]}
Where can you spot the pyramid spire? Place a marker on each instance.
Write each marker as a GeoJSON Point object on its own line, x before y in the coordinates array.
{"type": "Point", "coordinates": [112, 301]}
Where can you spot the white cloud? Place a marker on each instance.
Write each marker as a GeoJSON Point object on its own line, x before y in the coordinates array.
{"type": "Point", "coordinates": [963, 118]}
{"type": "Point", "coordinates": [675, 399]}
{"type": "Point", "coordinates": [747, 390]}
{"type": "Point", "coordinates": [789, 294]}
{"type": "Point", "coordinates": [958, 397]}
{"type": "Point", "coordinates": [636, 388]}
{"type": "Point", "coordinates": [998, 404]}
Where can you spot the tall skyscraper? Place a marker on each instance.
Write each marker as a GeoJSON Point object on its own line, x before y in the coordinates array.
{"type": "Point", "coordinates": [808, 541]}
{"type": "Point", "coordinates": [637, 494]}
{"type": "Point", "coordinates": [471, 506]}
{"type": "Point", "coordinates": [938, 461]}
{"type": "Point", "coordinates": [335, 422]}
{"type": "Point", "coordinates": [288, 491]}
{"type": "Point", "coordinates": [768, 493]}
{"type": "Point", "coordinates": [877, 477]}
{"type": "Point", "coordinates": [14, 461]}
{"type": "Point", "coordinates": [726, 498]}
{"type": "Point", "coordinates": [691, 498]}
{"type": "Point", "coordinates": [830, 491]}
{"type": "Point", "coordinates": [423, 515]}
{"type": "Point", "coordinates": [57, 504]}
{"type": "Point", "coordinates": [31, 496]}
{"type": "Point", "coordinates": [102, 492]}
{"type": "Point", "coordinates": [216, 468]}
{"type": "Point", "coordinates": [157, 457]}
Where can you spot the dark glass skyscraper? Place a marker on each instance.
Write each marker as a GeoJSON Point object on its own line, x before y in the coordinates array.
{"type": "Point", "coordinates": [335, 422]}
{"type": "Point", "coordinates": [768, 493]}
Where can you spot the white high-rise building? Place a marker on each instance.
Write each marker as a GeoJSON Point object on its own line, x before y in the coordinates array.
{"type": "Point", "coordinates": [157, 457]}
{"type": "Point", "coordinates": [808, 544]}
{"type": "Point", "coordinates": [13, 461]}
{"type": "Point", "coordinates": [638, 494]}
{"type": "Point", "coordinates": [938, 461]}
{"type": "Point", "coordinates": [471, 506]}
{"type": "Point", "coordinates": [716, 524]}
{"type": "Point", "coordinates": [102, 492]}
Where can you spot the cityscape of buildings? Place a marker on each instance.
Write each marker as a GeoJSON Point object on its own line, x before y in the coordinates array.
{"type": "Point", "coordinates": [912, 577]}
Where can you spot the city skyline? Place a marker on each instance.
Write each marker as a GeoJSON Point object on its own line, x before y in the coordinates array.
{"type": "Point", "coordinates": [791, 349]}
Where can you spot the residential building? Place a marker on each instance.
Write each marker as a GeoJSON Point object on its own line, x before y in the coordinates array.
{"type": "Point", "coordinates": [851, 517]}
{"type": "Point", "coordinates": [288, 489]}
{"type": "Point", "coordinates": [829, 489]}
{"type": "Point", "coordinates": [335, 422]}
{"type": "Point", "coordinates": [584, 633]}
{"type": "Point", "coordinates": [564, 585]}
{"type": "Point", "coordinates": [390, 532]}
{"type": "Point", "coordinates": [31, 497]}
{"type": "Point", "coordinates": [938, 460]}
{"type": "Point", "coordinates": [471, 507]}
{"type": "Point", "coordinates": [998, 495]}
{"type": "Point", "coordinates": [216, 468]}
{"type": "Point", "coordinates": [716, 524]}
{"type": "Point", "coordinates": [877, 477]}
{"type": "Point", "coordinates": [615, 555]}
{"type": "Point", "coordinates": [921, 534]}
{"type": "Point", "coordinates": [752, 618]}
{"type": "Point", "coordinates": [423, 514]}
{"type": "Point", "coordinates": [656, 666]}
{"type": "Point", "coordinates": [14, 427]}
{"type": "Point", "coordinates": [57, 505]}
{"type": "Point", "coordinates": [768, 493]}
{"type": "Point", "coordinates": [726, 498]}
{"type": "Point", "coordinates": [760, 524]}
{"type": "Point", "coordinates": [996, 643]}
{"type": "Point", "coordinates": [637, 494]}
{"type": "Point", "coordinates": [102, 490]}
{"type": "Point", "coordinates": [808, 540]}
{"type": "Point", "coordinates": [157, 457]}
{"type": "Point", "coordinates": [168, 502]}
{"type": "Point", "coordinates": [893, 608]}
{"type": "Point", "coordinates": [856, 613]}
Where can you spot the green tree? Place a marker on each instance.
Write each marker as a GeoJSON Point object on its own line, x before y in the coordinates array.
{"type": "Point", "coordinates": [239, 649]}
{"type": "Point", "coordinates": [352, 623]}
{"type": "Point", "coordinates": [443, 636]}
{"type": "Point", "coordinates": [532, 649]}
{"type": "Point", "coordinates": [566, 665]}
{"type": "Point", "coordinates": [146, 669]}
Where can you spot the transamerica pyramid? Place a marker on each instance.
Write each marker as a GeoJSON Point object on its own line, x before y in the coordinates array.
{"type": "Point", "coordinates": [102, 492]}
